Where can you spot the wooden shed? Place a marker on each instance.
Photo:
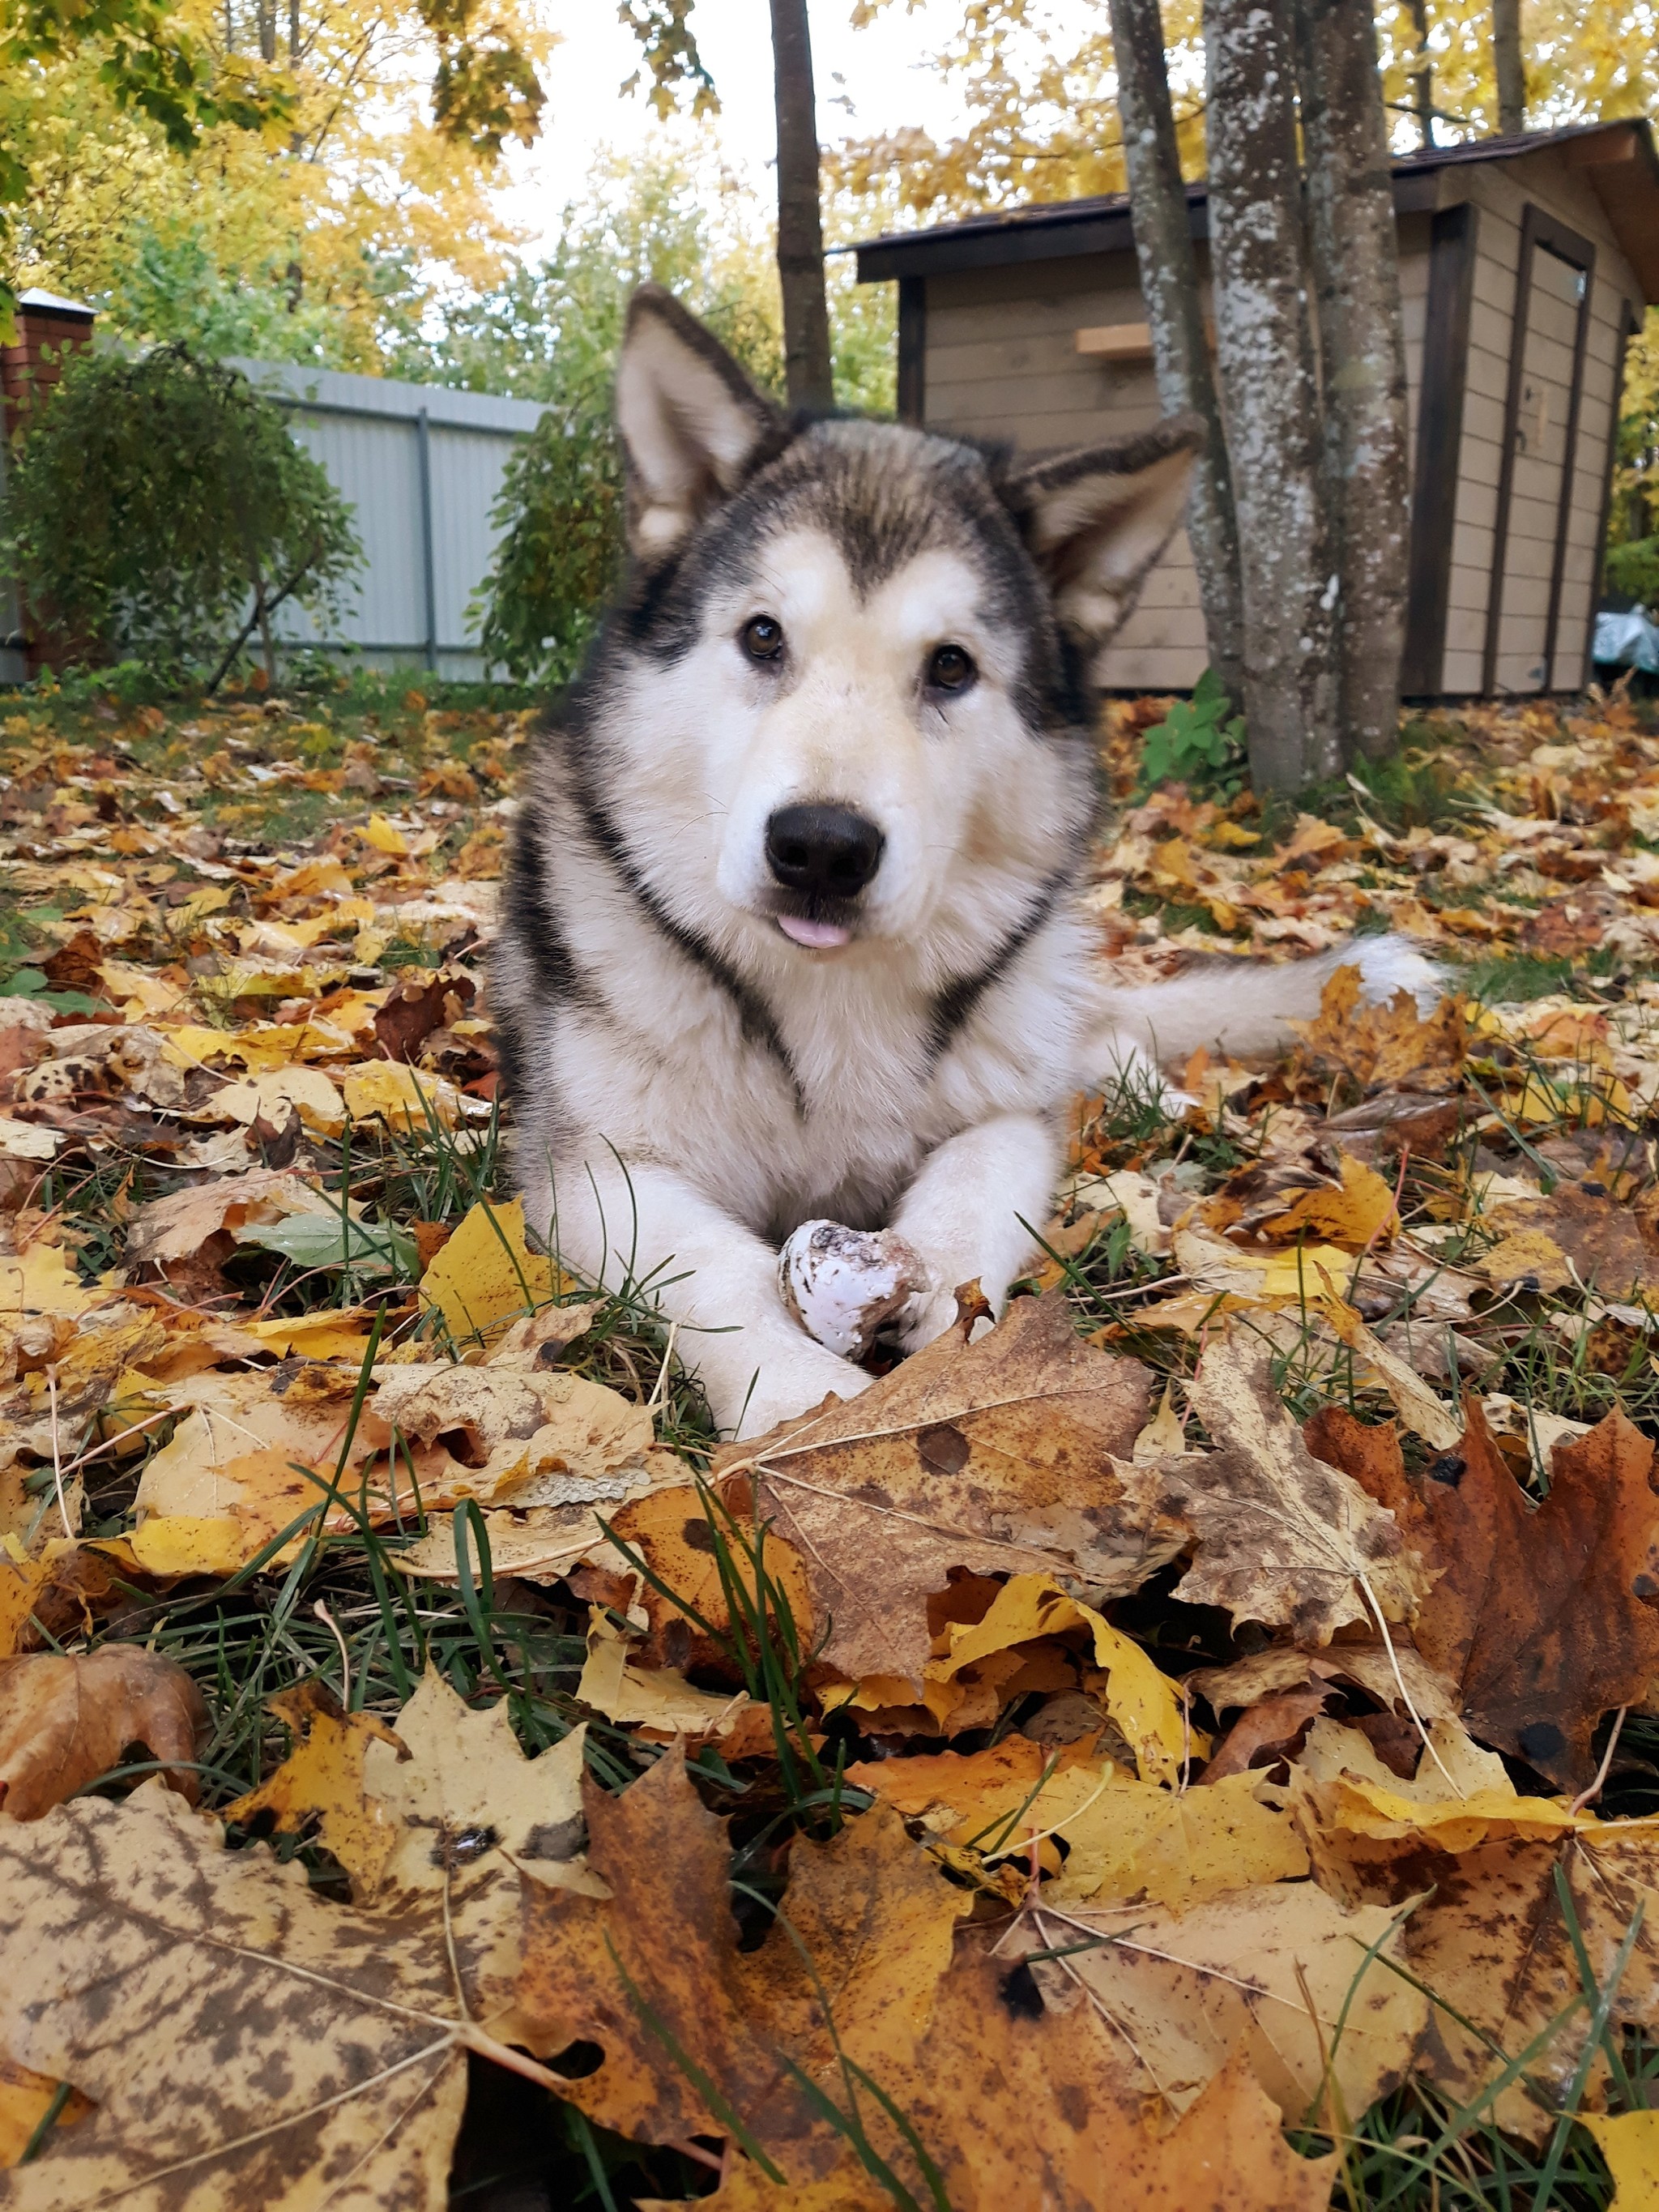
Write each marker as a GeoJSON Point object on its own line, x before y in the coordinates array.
{"type": "Point", "coordinates": [1525, 264]}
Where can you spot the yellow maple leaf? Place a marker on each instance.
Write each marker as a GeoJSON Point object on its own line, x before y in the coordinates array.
{"type": "Point", "coordinates": [1144, 1704]}
{"type": "Point", "coordinates": [1630, 2143]}
{"type": "Point", "coordinates": [486, 1274]}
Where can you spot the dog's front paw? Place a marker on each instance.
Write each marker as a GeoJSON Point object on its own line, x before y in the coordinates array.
{"type": "Point", "coordinates": [791, 1383]}
{"type": "Point", "coordinates": [1390, 964]}
{"type": "Point", "coordinates": [845, 1286]}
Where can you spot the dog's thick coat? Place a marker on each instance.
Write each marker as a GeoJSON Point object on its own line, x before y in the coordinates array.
{"type": "Point", "coordinates": [704, 1046]}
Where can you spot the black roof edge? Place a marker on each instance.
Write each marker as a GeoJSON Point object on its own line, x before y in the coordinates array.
{"type": "Point", "coordinates": [1056, 230]}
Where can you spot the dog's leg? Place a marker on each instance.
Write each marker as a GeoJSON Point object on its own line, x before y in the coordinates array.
{"type": "Point", "coordinates": [644, 1228]}
{"type": "Point", "coordinates": [968, 1210]}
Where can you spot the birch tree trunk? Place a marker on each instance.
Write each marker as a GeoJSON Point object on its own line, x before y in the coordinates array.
{"type": "Point", "coordinates": [1511, 68]}
{"type": "Point", "coordinates": [1356, 271]}
{"type": "Point", "coordinates": [801, 229]}
{"type": "Point", "coordinates": [1265, 358]}
{"type": "Point", "coordinates": [1174, 311]}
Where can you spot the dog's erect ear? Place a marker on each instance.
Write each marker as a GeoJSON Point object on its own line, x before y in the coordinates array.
{"type": "Point", "coordinates": [1095, 522]}
{"type": "Point", "coordinates": [690, 421]}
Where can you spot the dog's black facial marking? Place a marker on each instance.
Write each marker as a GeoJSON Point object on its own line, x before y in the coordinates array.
{"type": "Point", "coordinates": [532, 922]}
{"type": "Point", "coordinates": [953, 1007]}
{"type": "Point", "coordinates": [754, 1015]}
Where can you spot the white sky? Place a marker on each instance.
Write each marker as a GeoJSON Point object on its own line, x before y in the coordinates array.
{"type": "Point", "coordinates": [882, 70]}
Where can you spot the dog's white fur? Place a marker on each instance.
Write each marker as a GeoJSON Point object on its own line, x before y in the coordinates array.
{"type": "Point", "coordinates": [661, 1141]}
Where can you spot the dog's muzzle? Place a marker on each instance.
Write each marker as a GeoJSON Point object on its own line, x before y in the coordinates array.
{"type": "Point", "coordinates": [825, 856]}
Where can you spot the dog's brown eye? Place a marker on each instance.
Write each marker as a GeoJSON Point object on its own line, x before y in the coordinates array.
{"type": "Point", "coordinates": [763, 638]}
{"type": "Point", "coordinates": [950, 669]}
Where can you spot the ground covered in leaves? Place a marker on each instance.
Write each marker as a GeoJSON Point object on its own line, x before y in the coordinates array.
{"type": "Point", "coordinates": [1197, 1745]}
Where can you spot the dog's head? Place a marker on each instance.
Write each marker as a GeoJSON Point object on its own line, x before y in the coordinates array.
{"type": "Point", "coordinates": [866, 646]}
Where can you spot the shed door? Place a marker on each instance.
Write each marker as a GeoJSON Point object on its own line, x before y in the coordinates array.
{"type": "Point", "coordinates": [1542, 427]}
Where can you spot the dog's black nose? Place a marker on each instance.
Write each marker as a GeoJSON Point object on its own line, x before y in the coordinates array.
{"type": "Point", "coordinates": [827, 851]}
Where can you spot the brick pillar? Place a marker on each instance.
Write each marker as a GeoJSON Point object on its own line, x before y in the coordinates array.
{"type": "Point", "coordinates": [48, 331]}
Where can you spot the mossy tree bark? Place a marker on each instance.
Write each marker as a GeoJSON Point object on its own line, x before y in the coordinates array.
{"type": "Point", "coordinates": [1366, 471]}
{"type": "Point", "coordinates": [1175, 313]}
{"type": "Point", "coordinates": [1270, 393]}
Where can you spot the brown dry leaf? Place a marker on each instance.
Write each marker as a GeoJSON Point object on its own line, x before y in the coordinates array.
{"type": "Point", "coordinates": [1282, 1538]}
{"type": "Point", "coordinates": [659, 1967]}
{"type": "Point", "coordinates": [672, 1530]}
{"type": "Point", "coordinates": [1423, 1414]}
{"type": "Point", "coordinates": [66, 1718]}
{"type": "Point", "coordinates": [1388, 1045]}
{"type": "Point", "coordinates": [1543, 1616]}
{"type": "Point", "coordinates": [246, 2044]}
{"type": "Point", "coordinates": [1026, 2110]}
{"type": "Point", "coordinates": [1375, 1667]}
{"type": "Point", "coordinates": [1237, 1974]}
{"type": "Point", "coordinates": [995, 1456]}
{"type": "Point", "coordinates": [1601, 1238]}
{"type": "Point", "coordinates": [990, 1800]}
{"type": "Point", "coordinates": [1272, 1726]}
{"type": "Point", "coordinates": [1490, 1939]}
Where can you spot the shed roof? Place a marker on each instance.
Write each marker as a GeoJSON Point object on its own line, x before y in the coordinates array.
{"type": "Point", "coordinates": [1618, 159]}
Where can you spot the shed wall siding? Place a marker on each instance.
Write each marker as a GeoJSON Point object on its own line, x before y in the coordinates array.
{"type": "Point", "coordinates": [1501, 192]}
{"type": "Point", "coordinates": [1001, 364]}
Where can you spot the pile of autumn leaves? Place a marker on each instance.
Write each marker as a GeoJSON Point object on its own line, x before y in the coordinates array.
{"type": "Point", "coordinates": [1076, 1926]}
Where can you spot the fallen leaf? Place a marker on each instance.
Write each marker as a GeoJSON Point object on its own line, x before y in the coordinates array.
{"type": "Point", "coordinates": [993, 1456]}
{"type": "Point", "coordinates": [1630, 2143]}
{"type": "Point", "coordinates": [65, 1719]}
{"type": "Point", "coordinates": [1385, 1045]}
{"type": "Point", "coordinates": [672, 1531]}
{"type": "Point", "coordinates": [869, 1920]}
{"type": "Point", "coordinates": [1173, 1847]}
{"type": "Point", "coordinates": [1144, 1704]}
{"type": "Point", "coordinates": [1277, 1976]}
{"type": "Point", "coordinates": [1423, 1414]}
{"type": "Point", "coordinates": [1356, 1216]}
{"type": "Point", "coordinates": [176, 1228]}
{"type": "Point", "coordinates": [413, 1805]}
{"type": "Point", "coordinates": [243, 2041]}
{"type": "Point", "coordinates": [486, 1273]}
{"type": "Point", "coordinates": [1541, 1615]}
{"type": "Point", "coordinates": [650, 1698]}
{"type": "Point", "coordinates": [1527, 1260]}
{"type": "Point", "coordinates": [1270, 1725]}
{"type": "Point", "coordinates": [1489, 1940]}
{"type": "Point", "coordinates": [25, 2101]}
{"type": "Point", "coordinates": [1282, 1538]}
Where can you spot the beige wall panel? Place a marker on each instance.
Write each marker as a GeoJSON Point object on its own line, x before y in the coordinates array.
{"type": "Point", "coordinates": [1151, 670]}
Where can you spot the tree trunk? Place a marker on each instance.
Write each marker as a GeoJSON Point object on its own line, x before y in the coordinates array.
{"type": "Point", "coordinates": [1174, 311]}
{"type": "Point", "coordinates": [1423, 75]}
{"type": "Point", "coordinates": [1264, 354]}
{"type": "Point", "coordinates": [800, 231]}
{"type": "Point", "coordinates": [1511, 69]}
{"type": "Point", "coordinates": [1362, 348]}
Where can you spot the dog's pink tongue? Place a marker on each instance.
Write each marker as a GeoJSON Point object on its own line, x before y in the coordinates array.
{"type": "Point", "coordinates": [820, 935]}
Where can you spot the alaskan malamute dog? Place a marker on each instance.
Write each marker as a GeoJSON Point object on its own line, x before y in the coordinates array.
{"type": "Point", "coordinates": [793, 927]}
